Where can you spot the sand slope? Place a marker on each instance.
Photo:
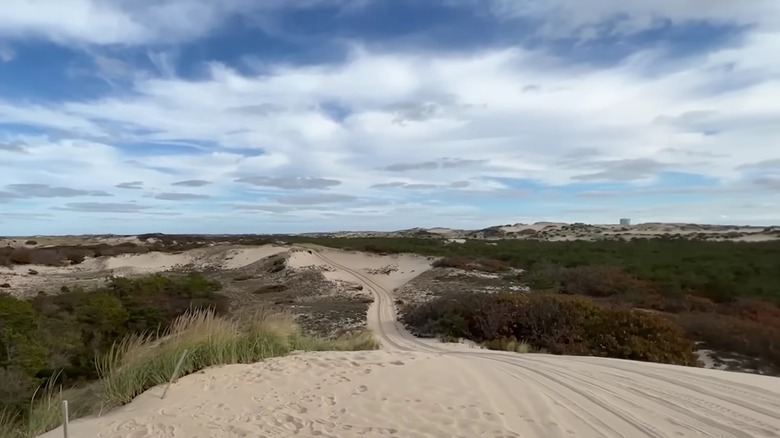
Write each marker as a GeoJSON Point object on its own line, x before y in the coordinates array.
{"type": "Point", "coordinates": [417, 388]}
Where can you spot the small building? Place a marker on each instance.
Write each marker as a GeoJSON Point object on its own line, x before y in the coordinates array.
{"type": "Point", "coordinates": [625, 221]}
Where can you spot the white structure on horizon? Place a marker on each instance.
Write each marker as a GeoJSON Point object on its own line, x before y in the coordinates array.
{"type": "Point", "coordinates": [625, 221]}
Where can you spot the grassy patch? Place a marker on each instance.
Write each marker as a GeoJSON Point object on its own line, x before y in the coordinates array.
{"type": "Point", "coordinates": [140, 362]}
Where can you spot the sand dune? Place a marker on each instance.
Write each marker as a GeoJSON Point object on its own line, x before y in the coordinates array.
{"type": "Point", "coordinates": [223, 257]}
{"type": "Point", "coordinates": [421, 388]}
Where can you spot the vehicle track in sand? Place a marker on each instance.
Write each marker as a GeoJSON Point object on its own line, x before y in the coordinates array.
{"type": "Point", "coordinates": [588, 396]}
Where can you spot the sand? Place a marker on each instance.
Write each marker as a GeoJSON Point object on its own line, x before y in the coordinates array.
{"type": "Point", "coordinates": [222, 257]}
{"type": "Point", "coordinates": [238, 258]}
{"type": "Point", "coordinates": [422, 388]}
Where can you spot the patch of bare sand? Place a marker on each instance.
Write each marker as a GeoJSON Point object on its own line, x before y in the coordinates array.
{"type": "Point", "coordinates": [463, 392]}
{"type": "Point", "coordinates": [240, 257]}
{"type": "Point", "coordinates": [327, 394]}
{"type": "Point", "coordinates": [389, 271]}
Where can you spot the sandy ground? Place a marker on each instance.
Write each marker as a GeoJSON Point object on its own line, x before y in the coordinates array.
{"type": "Point", "coordinates": [421, 388]}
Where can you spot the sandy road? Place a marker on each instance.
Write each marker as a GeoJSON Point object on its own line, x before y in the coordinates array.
{"type": "Point", "coordinates": [561, 396]}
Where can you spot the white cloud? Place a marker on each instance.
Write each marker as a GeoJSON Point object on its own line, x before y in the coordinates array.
{"type": "Point", "coordinates": [483, 113]}
{"type": "Point", "coordinates": [413, 125]}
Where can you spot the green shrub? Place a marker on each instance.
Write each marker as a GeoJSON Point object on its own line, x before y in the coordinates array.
{"type": "Point", "coordinates": [638, 335]}
{"type": "Point", "coordinates": [601, 281]}
{"type": "Point", "coordinates": [472, 264]}
{"type": "Point", "coordinates": [19, 345]}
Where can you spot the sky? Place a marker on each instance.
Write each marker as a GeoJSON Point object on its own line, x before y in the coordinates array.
{"type": "Point", "coordinates": [277, 116]}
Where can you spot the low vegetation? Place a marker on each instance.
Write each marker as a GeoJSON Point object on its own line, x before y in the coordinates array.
{"type": "Point", "coordinates": [722, 271]}
{"type": "Point", "coordinates": [552, 323]}
{"type": "Point", "coordinates": [142, 360]}
{"type": "Point", "coordinates": [64, 255]}
{"type": "Point", "coordinates": [725, 296]}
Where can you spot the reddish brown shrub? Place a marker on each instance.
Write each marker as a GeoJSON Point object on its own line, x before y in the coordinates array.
{"type": "Point", "coordinates": [754, 310]}
{"type": "Point", "coordinates": [555, 323]}
{"type": "Point", "coordinates": [602, 281]}
{"type": "Point", "coordinates": [729, 334]}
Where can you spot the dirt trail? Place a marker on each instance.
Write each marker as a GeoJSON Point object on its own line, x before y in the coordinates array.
{"type": "Point", "coordinates": [549, 396]}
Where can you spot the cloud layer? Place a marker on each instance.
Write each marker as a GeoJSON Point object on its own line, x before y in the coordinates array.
{"type": "Point", "coordinates": [590, 114]}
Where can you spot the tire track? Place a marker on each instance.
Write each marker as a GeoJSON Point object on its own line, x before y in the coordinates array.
{"type": "Point", "coordinates": [384, 312]}
{"type": "Point", "coordinates": [690, 418]}
{"type": "Point", "coordinates": [759, 394]}
{"type": "Point", "coordinates": [619, 392]}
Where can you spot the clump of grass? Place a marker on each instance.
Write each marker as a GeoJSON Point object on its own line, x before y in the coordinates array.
{"type": "Point", "coordinates": [509, 344]}
{"type": "Point", "coordinates": [139, 363]}
{"type": "Point", "coordinates": [352, 341]}
{"type": "Point", "coordinates": [8, 423]}
{"type": "Point", "coordinates": [44, 412]}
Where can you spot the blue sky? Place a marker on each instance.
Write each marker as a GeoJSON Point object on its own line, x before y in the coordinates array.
{"type": "Point", "coordinates": [312, 115]}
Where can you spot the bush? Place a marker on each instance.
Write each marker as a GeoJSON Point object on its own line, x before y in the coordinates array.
{"type": "Point", "coordinates": [20, 256]}
{"type": "Point", "coordinates": [557, 324]}
{"type": "Point", "coordinates": [601, 281]}
{"type": "Point", "coordinates": [19, 344]}
{"type": "Point", "coordinates": [638, 336]}
{"type": "Point", "coordinates": [472, 264]}
{"type": "Point", "coordinates": [730, 334]}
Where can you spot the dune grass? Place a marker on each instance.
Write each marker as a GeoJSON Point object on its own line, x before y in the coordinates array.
{"type": "Point", "coordinates": [141, 362]}
{"type": "Point", "coordinates": [44, 412]}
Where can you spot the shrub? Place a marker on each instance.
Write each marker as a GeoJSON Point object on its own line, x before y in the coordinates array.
{"type": "Point", "coordinates": [555, 323]}
{"type": "Point", "coordinates": [76, 259]}
{"type": "Point", "coordinates": [15, 388]}
{"type": "Point", "coordinates": [19, 345]}
{"type": "Point", "coordinates": [20, 256]}
{"type": "Point", "coordinates": [601, 281]}
{"type": "Point", "coordinates": [730, 334]}
{"type": "Point", "coordinates": [638, 336]}
{"type": "Point", "coordinates": [472, 264]}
